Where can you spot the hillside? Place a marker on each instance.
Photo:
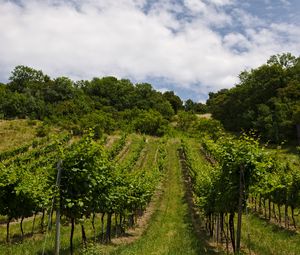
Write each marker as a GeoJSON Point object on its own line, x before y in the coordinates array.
{"type": "Point", "coordinates": [133, 194]}
{"type": "Point", "coordinates": [120, 168]}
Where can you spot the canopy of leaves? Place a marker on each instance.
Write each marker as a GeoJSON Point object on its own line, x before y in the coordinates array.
{"type": "Point", "coordinates": [267, 99]}
{"type": "Point", "coordinates": [101, 103]}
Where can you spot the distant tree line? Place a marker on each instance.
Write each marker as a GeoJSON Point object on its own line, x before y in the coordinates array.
{"type": "Point", "coordinates": [106, 103]}
{"type": "Point", "coordinates": [267, 99]}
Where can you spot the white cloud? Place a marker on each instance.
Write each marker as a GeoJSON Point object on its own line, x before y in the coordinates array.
{"type": "Point", "coordinates": [285, 2]}
{"type": "Point", "coordinates": [236, 41]}
{"type": "Point", "coordinates": [222, 2]}
{"type": "Point", "coordinates": [247, 19]}
{"type": "Point", "coordinates": [117, 38]}
{"type": "Point", "coordinates": [208, 13]}
{"type": "Point", "coordinates": [196, 5]}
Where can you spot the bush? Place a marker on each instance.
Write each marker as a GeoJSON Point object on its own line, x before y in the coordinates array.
{"type": "Point", "coordinates": [42, 131]}
{"type": "Point", "coordinates": [211, 127]}
{"type": "Point", "coordinates": [98, 132]}
{"type": "Point", "coordinates": [98, 120]}
{"type": "Point", "coordinates": [31, 122]}
{"type": "Point", "coordinates": [185, 120]}
{"type": "Point", "coordinates": [76, 130]}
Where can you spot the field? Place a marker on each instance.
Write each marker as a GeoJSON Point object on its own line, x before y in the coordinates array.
{"type": "Point", "coordinates": [128, 194]}
{"type": "Point", "coordinates": [15, 133]}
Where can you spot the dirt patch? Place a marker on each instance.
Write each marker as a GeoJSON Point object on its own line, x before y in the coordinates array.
{"type": "Point", "coordinates": [204, 116]}
{"type": "Point", "coordinates": [144, 155]}
{"type": "Point", "coordinates": [110, 141]}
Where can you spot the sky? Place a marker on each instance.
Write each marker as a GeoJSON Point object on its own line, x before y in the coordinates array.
{"type": "Point", "coordinates": [192, 47]}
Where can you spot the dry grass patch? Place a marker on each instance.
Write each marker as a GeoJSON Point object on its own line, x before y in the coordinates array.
{"type": "Point", "coordinates": [14, 133]}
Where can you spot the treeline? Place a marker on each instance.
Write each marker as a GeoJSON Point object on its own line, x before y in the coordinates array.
{"type": "Point", "coordinates": [267, 100]}
{"type": "Point", "coordinates": [104, 103]}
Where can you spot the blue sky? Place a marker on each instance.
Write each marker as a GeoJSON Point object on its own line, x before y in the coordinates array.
{"type": "Point", "coordinates": [189, 46]}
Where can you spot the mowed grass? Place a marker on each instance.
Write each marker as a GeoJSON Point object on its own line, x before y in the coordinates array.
{"type": "Point", "coordinates": [269, 239]}
{"type": "Point", "coordinates": [132, 144]}
{"type": "Point", "coordinates": [34, 244]}
{"type": "Point", "coordinates": [170, 230]}
{"type": "Point", "coordinates": [14, 133]}
{"type": "Point", "coordinates": [148, 155]}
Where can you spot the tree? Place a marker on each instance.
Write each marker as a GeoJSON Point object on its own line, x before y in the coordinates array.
{"type": "Point", "coordinates": [174, 100]}
{"type": "Point", "coordinates": [285, 60]}
{"type": "Point", "coordinates": [264, 100]}
{"type": "Point", "coordinates": [189, 105]}
{"type": "Point", "coordinates": [149, 122]}
{"type": "Point", "coordinates": [22, 75]}
{"type": "Point", "coordinates": [60, 89]}
{"type": "Point", "coordinates": [185, 120]}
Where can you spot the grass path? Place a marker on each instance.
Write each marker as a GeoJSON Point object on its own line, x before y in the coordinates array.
{"type": "Point", "coordinates": [269, 239]}
{"type": "Point", "coordinates": [170, 230]}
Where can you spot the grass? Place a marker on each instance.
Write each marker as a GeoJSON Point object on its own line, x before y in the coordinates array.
{"type": "Point", "coordinates": [263, 213]}
{"type": "Point", "coordinates": [111, 140]}
{"type": "Point", "coordinates": [170, 230]}
{"type": "Point", "coordinates": [34, 244]}
{"type": "Point", "coordinates": [129, 149]}
{"type": "Point", "coordinates": [269, 239]}
{"type": "Point", "coordinates": [147, 157]}
{"type": "Point", "coordinates": [286, 153]}
{"type": "Point", "coordinates": [14, 133]}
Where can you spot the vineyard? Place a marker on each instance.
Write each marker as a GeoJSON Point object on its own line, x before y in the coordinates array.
{"type": "Point", "coordinates": [128, 193]}
{"type": "Point", "coordinates": [236, 178]}
{"type": "Point", "coordinates": [115, 183]}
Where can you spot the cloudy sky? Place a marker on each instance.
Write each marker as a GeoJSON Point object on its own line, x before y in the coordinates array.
{"type": "Point", "coordinates": [189, 46]}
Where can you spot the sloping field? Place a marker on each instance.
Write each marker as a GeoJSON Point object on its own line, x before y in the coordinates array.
{"type": "Point", "coordinates": [14, 133]}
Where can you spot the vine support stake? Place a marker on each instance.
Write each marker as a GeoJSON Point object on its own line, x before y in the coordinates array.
{"type": "Point", "coordinates": [240, 211]}
{"type": "Point", "coordinates": [57, 232]}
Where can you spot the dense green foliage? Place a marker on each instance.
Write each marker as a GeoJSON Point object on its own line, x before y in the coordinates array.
{"type": "Point", "coordinates": [267, 99]}
{"type": "Point", "coordinates": [191, 106]}
{"type": "Point", "coordinates": [26, 184]}
{"type": "Point", "coordinates": [92, 182]}
{"type": "Point", "coordinates": [231, 174]}
{"type": "Point", "coordinates": [105, 103]}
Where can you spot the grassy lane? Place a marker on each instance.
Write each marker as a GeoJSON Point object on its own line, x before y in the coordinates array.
{"type": "Point", "coordinates": [170, 230]}
{"type": "Point", "coordinates": [269, 239]}
{"type": "Point", "coordinates": [129, 149]}
{"type": "Point", "coordinates": [147, 157]}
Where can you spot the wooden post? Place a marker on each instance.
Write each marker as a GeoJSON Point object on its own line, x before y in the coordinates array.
{"type": "Point", "coordinates": [231, 228]}
{"type": "Point", "coordinates": [57, 232]}
{"type": "Point", "coordinates": [7, 231]}
{"type": "Point", "coordinates": [240, 211]}
{"type": "Point", "coordinates": [72, 234]}
{"type": "Point", "coordinates": [298, 133]}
